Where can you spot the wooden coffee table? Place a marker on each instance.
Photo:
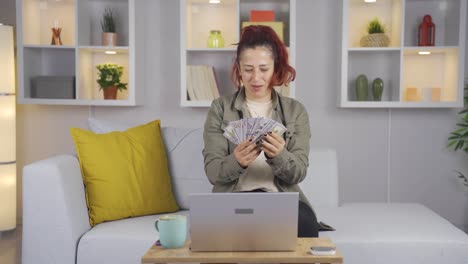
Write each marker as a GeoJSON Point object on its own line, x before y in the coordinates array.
{"type": "Point", "coordinates": [158, 254]}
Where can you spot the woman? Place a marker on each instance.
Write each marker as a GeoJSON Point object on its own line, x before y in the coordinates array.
{"type": "Point", "coordinates": [276, 163]}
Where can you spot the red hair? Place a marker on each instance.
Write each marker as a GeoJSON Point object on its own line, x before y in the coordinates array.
{"type": "Point", "coordinates": [264, 36]}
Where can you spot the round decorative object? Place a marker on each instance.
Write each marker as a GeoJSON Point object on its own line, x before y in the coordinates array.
{"type": "Point", "coordinates": [362, 88]}
{"type": "Point", "coordinates": [215, 40]}
{"type": "Point", "coordinates": [375, 40]}
{"type": "Point", "coordinates": [377, 89]}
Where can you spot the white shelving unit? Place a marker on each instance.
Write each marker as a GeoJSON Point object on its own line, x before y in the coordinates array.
{"type": "Point", "coordinates": [198, 17]}
{"type": "Point", "coordinates": [81, 50]}
{"type": "Point", "coordinates": [400, 65]}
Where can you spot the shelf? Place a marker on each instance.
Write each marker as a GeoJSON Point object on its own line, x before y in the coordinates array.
{"type": "Point", "coordinates": [282, 11]}
{"type": "Point", "coordinates": [359, 14]}
{"type": "Point", "coordinates": [66, 74]}
{"type": "Point", "coordinates": [372, 49]}
{"type": "Point", "coordinates": [39, 17]}
{"type": "Point", "coordinates": [88, 59]}
{"type": "Point", "coordinates": [49, 47]}
{"type": "Point", "coordinates": [46, 62]}
{"type": "Point", "coordinates": [433, 50]}
{"type": "Point", "coordinates": [411, 79]}
{"type": "Point", "coordinates": [201, 17]}
{"type": "Point", "coordinates": [103, 49]}
{"type": "Point", "coordinates": [384, 64]}
{"type": "Point", "coordinates": [399, 105]}
{"type": "Point", "coordinates": [213, 50]}
{"type": "Point", "coordinates": [445, 15]}
{"type": "Point", "coordinates": [198, 17]}
{"type": "Point", "coordinates": [89, 24]}
{"type": "Point", "coordinates": [221, 62]}
{"type": "Point", "coordinates": [441, 65]}
{"type": "Point", "coordinates": [77, 102]}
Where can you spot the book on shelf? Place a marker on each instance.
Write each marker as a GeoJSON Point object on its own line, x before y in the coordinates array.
{"type": "Point", "coordinates": [201, 83]}
{"type": "Point", "coordinates": [190, 93]}
{"type": "Point", "coordinates": [262, 15]}
{"type": "Point", "coordinates": [277, 26]}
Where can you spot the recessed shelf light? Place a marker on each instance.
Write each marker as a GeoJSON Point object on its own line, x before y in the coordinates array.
{"type": "Point", "coordinates": [370, 1]}
{"type": "Point", "coordinates": [424, 52]}
{"type": "Point", "coordinates": [112, 52]}
{"type": "Point", "coordinates": [215, 1]}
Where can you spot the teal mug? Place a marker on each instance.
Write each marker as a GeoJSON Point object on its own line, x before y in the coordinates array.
{"type": "Point", "coordinates": [172, 230]}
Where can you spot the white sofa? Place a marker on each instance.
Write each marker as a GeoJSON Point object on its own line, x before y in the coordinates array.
{"type": "Point", "coordinates": [56, 229]}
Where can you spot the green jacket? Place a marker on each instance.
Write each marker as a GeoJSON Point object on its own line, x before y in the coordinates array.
{"type": "Point", "coordinates": [289, 167]}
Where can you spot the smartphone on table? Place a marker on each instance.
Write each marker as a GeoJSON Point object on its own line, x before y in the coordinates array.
{"type": "Point", "coordinates": [322, 251]}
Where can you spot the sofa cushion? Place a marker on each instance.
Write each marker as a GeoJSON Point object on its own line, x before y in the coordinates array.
{"type": "Point", "coordinates": [124, 241]}
{"type": "Point", "coordinates": [187, 166]}
{"type": "Point", "coordinates": [366, 233]}
{"type": "Point", "coordinates": [321, 184]}
{"type": "Point", "coordinates": [394, 233]}
{"type": "Point", "coordinates": [184, 152]}
{"type": "Point", "coordinates": [125, 173]}
{"type": "Point", "coordinates": [171, 135]}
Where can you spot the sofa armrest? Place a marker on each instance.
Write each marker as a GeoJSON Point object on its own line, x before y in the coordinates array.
{"type": "Point", "coordinates": [55, 214]}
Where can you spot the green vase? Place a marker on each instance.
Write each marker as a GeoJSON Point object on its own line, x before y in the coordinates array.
{"type": "Point", "coordinates": [362, 88]}
{"type": "Point", "coordinates": [377, 89]}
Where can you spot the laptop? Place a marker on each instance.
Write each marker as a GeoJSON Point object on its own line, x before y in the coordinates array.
{"type": "Point", "coordinates": [245, 221]}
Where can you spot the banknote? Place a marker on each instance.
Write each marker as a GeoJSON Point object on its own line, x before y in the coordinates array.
{"type": "Point", "coordinates": [252, 128]}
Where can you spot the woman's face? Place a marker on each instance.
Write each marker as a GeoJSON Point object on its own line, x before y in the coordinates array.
{"type": "Point", "coordinates": [256, 69]}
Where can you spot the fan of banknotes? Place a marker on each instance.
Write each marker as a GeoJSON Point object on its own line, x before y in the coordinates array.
{"type": "Point", "coordinates": [240, 130]}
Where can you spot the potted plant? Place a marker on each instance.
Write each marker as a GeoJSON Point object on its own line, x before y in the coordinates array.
{"type": "Point", "coordinates": [376, 36]}
{"type": "Point", "coordinates": [458, 139]}
{"type": "Point", "coordinates": [109, 79]}
{"type": "Point", "coordinates": [109, 35]}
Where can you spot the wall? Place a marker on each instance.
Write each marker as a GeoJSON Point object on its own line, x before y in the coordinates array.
{"type": "Point", "coordinates": [384, 155]}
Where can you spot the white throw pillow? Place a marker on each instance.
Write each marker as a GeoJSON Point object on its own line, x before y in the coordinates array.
{"type": "Point", "coordinates": [171, 135]}
{"type": "Point", "coordinates": [102, 126]}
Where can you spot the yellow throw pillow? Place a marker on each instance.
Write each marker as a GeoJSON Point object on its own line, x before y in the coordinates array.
{"type": "Point", "coordinates": [125, 173]}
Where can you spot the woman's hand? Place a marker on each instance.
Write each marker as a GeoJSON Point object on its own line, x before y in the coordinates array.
{"type": "Point", "coordinates": [246, 152]}
{"type": "Point", "coordinates": [272, 144]}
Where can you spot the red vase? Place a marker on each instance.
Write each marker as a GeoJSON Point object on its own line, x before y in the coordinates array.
{"type": "Point", "coordinates": [426, 34]}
